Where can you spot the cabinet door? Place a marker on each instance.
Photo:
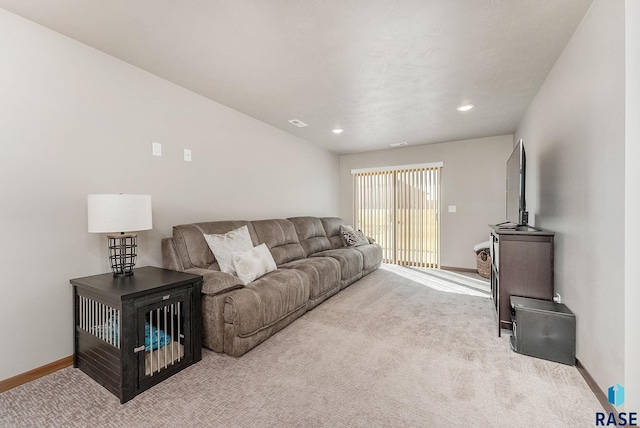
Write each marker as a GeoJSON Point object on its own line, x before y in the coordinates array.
{"type": "Point", "coordinates": [164, 336]}
{"type": "Point", "coordinates": [495, 277]}
{"type": "Point", "coordinates": [526, 269]}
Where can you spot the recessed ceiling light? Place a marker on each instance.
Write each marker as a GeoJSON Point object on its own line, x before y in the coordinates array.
{"type": "Point", "coordinates": [404, 143]}
{"type": "Point", "coordinates": [337, 131]}
{"type": "Point", "coordinates": [298, 123]}
{"type": "Point", "coordinates": [465, 107]}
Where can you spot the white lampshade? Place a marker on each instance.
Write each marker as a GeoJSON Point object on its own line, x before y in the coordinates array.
{"type": "Point", "coordinates": [112, 213]}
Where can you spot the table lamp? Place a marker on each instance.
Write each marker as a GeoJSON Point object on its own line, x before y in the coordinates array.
{"type": "Point", "coordinates": [113, 213]}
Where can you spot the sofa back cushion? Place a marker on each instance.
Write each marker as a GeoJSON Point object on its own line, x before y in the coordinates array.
{"type": "Point", "coordinates": [332, 229]}
{"type": "Point", "coordinates": [311, 234]}
{"type": "Point", "coordinates": [193, 249]}
{"type": "Point", "coordinates": [281, 239]}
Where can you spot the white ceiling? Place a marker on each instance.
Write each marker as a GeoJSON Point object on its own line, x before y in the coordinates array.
{"type": "Point", "coordinates": [384, 70]}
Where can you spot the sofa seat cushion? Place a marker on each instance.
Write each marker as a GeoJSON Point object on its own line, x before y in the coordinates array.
{"type": "Point", "coordinates": [323, 273]}
{"type": "Point", "coordinates": [281, 239]}
{"type": "Point", "coordinates": [371, 255]}
{"type": "Point", "coordinates": [350, 261]}
{"type": "Point", "coordinates": [266, 300]}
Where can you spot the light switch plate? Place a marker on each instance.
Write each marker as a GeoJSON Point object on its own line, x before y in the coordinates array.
{"type": "Point", "coordinates": [452, 208]}
{"type": "Point", "coordinates": [156, 149]}
{"type": "Point", "coordinates": [187, 155]}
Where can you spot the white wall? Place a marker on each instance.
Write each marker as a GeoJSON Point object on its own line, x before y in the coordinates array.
{"type": "Point", "coordinates": [574, 133]}
{"type": "Point", "coordinates": [632, 208]}
{"type": "Point", "coordinates": [76, 121]}
{"type": "Point", "coordinates": [473, 179]}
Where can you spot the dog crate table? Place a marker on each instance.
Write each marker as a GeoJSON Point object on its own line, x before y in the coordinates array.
{"type": "Point", "coordinates": [132, 332]}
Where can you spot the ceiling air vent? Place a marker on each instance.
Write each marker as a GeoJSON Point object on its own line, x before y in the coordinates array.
{"type": "Point", "coordinates": [298, 123]}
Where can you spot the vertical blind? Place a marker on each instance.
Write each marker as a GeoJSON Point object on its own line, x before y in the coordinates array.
{"type": "Point", "coordinates": [400, 208]}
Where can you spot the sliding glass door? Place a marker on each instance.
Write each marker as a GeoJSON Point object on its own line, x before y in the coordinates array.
{"type": "Point", "coordinates": [400, 208]}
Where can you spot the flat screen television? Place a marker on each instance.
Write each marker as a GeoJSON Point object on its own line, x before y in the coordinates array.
{"type": "Point", "coordinates": [517, 214]}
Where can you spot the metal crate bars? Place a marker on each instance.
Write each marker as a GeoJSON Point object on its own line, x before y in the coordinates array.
{"type": "Point", "coordinates": [164, 332]}
{"type": "Point", "coordinates": [99, 320]}
{"type": "Point", "coordinates": [164, 337]}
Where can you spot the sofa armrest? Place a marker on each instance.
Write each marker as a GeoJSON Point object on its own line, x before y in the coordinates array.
{"type": "Point", "coordinates": [170, 259]}
{"type": "Point", "coordinates": [216, 282]}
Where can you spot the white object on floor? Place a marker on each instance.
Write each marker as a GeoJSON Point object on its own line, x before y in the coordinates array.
{"type": "Point", "coordinates": [481, 246]}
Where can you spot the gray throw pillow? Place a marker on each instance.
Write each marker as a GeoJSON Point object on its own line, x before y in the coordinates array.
{"type": "Point", "coordinates": [353, 238]}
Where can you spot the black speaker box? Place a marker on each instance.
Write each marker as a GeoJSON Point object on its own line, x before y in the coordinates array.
{"type": "Point", "coordinates": [543, 329]}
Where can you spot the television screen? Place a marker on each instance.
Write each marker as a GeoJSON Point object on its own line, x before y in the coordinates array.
{"type": "Point", "coordinates": [516, 205]}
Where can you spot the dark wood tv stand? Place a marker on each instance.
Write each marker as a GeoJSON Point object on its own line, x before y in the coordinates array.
{"type": "Point", "coordinates": [521, 265]}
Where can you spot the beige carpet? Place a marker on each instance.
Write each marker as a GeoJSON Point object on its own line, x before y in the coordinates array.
{"type": "Point", "coordinates": [388, 351]}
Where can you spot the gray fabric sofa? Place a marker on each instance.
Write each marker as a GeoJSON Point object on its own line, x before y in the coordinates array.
{"type": "Point", "coordinates": [312, 265]}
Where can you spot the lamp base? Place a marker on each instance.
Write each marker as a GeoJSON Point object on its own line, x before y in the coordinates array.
{"type": "Point", "coordinates": [122, 253]}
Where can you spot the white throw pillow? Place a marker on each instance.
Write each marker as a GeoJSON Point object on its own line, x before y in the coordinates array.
{"type": "Point", "coordinates": [222, 246]}
{"type": "Point", "coordinates": [252, 264]}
